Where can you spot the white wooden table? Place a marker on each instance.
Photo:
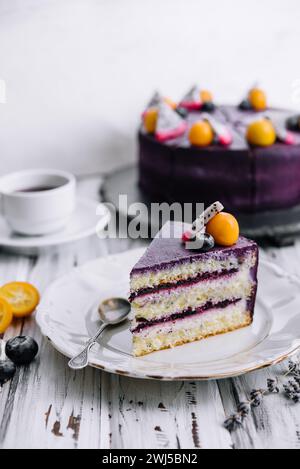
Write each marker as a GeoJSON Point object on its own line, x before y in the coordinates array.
{"type": "Point", "coordinates": [47, 405]}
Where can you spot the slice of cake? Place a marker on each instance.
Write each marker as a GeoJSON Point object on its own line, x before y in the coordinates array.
{"type": "Point", "coordinates": [180, 295]}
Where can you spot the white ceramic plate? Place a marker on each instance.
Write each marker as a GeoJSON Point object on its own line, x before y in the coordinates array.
{"type": "Point", "coordinates": [81, 225]}
{"type": "Point", "coordinates": [68, 316]}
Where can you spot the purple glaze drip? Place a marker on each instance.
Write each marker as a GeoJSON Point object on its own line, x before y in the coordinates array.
{"type": "Point", "coordinates": [183, 314]}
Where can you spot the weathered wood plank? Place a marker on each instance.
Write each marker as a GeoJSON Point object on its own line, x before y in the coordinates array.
{"type": "Point", "coordinates": [46, 404]}
{"type": "Point", "coordinates": [156, 414]}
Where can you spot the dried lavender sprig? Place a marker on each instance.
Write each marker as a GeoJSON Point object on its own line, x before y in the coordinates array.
{"type": "Point", "coordinates": [296, 378]}
{"type": "Point", "coordinates": [233, 422]}
{"type": "Point", "coordinates": [272, 385]}
{"type": "Point", "coordinates": [293, 367]}
{"type": "Point", "coordinates": [296, 398]}
{"type": "Point", "coordinates": [243, 409]}
{"type": "Point", "coordinates": [294, 385]}
{"type": "Point", "coordinates": [292, 391]}
{"type": "Point", "coordinates": [256, 397]}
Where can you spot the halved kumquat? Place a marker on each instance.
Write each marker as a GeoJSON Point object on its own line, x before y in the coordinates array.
{"type": "Point", "coordinates": [6, 315]}
{"type": "Point", "coordinates": [22, 297]}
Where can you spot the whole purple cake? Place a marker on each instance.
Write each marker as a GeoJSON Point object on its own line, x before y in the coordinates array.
{"type": "Point", "coordinates": [249, 176]}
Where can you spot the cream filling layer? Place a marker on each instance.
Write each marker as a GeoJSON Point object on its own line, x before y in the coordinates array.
{"type": "Point", "coordinates": [189, 270]}
{"type": "Point", "coordinates": [185, 330]}
{"type": "Point", "coordinates": [166, 302]}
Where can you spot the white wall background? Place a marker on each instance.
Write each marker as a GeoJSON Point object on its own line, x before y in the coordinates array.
{"type": "Point", "coordinates": [78, 72]}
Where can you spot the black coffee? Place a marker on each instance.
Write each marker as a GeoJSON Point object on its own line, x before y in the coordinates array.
{"type": "Point", "coordinates": [37, 189]}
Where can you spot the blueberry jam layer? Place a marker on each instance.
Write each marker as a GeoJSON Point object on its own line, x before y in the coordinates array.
{"type": "Point", "coordinates": [180, 283]}
{"type": "Point", "coordinates": [143, 323]}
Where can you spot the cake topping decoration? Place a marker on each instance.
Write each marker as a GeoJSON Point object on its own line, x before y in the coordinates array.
{"type": "Point", "coordinates": [293, 123]}
{"type": "Point", "coordinates": [197, 99]}
{"type": "Point", "coordinates": [220, 227]}
{"type": "Point", "coordinates": [261, 133]}
{"type": "Point", "coordinates": [209, 106]}
{"type": "Point", "coordinates": [192, 100]}
{"type": "Point", "coordinates": [169, 123]}
{"type": "Point", "coordinates": [203, 242]}
{"type": "Point", "coordinates": [221, 132]}
{"type": "Point", "coordinates": [201, 134]}
{"type": "Point", "coordinates": [150, 119]}
{"type": "Point", "coordinates": [245, 105]}
{"type": "Point", "coordinates": [204, 132]}
{"type": "Point", "coordinates": [224, 228]}
{"type": "Point", "coordinates": [155, 100]}
{"type": "Point", "coordinates": [170, 102]}
{"type": "Point", "coordinates": [182, 111]}
{"type": "Point", "coordinates": [283, 135]}
{"type": "Point", "coordinates": [199, 224]}
{"type": "Point", "coordinates": [256, 100]}
{"type": "Point", "coordinates": [206, 96]}
{"type": "Point", "coordinates": [206, 216]}
{"type": "Point", "coordinates": [264, 132]}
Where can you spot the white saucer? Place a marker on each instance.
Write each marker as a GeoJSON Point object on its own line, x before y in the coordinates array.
{"type": "Point", "coordinates": [81, 225]}
{"type": "Point", "coordinates": [67, 315]}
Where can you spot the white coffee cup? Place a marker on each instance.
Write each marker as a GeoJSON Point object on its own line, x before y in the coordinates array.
{"type": "Point", "coordinates": [37, 201]}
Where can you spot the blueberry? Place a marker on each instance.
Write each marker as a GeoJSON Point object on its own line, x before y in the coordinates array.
{"type": "Point", "coordinates": [208, 106]}
{"type": "Point", "coordinates": [245, 105]}
{"type": "Point", "coordinates": [208, 242]}
{"type": "Point", "coordinates": [293, 122]}
{"type": "Point", "coordinates": [7, 371]}
{"type": "Point", "coordinates": [182, 112]}
{"type": "Point", "coordinates": [21, 350]}
{"type": "Point", "coordinates": [203, 242]}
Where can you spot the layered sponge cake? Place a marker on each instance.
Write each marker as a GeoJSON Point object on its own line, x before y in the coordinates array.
{"type": "Point", "coordinates": [180, 295]}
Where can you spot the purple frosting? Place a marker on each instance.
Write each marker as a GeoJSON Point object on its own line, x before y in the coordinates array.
{"type": "Point", "coordinates": [245, 179]}
{"type": "Point", "coordinates": [166, 252]}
